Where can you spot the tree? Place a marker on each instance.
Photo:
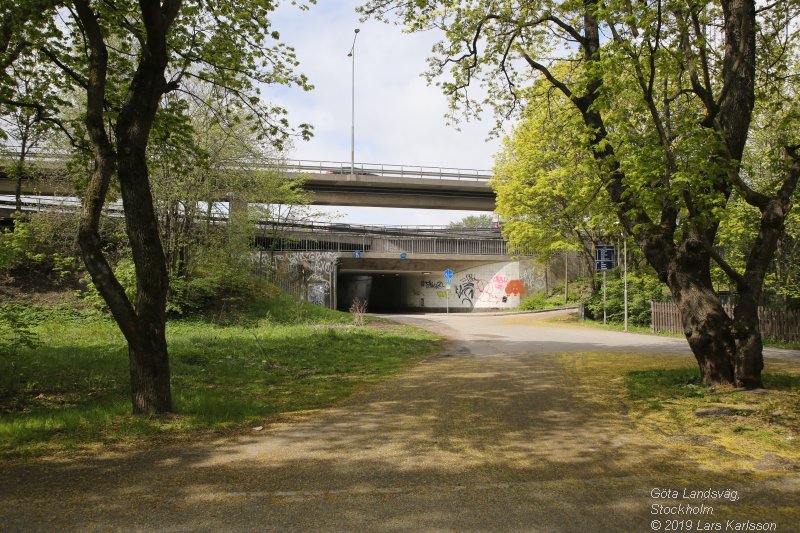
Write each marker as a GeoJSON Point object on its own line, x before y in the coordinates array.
{"type": "Point", "coordinates": [22, 118]}
{"type": "Point", "coordinates": [668, 92]}
{"type": "Point", "coordinates": [548, 188]}
{"type": "Point", "coordinates": [473, 222]}
{"type": "Point", "coordinates": [123, 57]}
{"type": "Point", "coordinates": [209, 169]}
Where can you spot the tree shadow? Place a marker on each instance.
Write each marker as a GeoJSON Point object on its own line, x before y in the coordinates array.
{"type": "Point", "coordinates": [494, 435]}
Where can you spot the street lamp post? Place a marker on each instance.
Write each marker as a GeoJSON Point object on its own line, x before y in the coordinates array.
{"type": "Point", "coordinates": [353, 111]}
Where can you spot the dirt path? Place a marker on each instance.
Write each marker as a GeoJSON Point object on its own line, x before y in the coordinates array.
{"type": "Point", "coordinates": [491, 436]}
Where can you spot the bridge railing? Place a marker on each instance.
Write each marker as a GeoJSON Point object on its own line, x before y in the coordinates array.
{"type": "Point", "coordinates": [317, 237]}
{"type": "Point", "coordinates": [302, 166]}
{"type": "Point", "coordinates": [350, 244]}
{"type": "Point", "coordinates": [385, 170]}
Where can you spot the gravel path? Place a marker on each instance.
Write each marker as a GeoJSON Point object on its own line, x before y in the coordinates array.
{"type": "Point", "coordinates": [489, 436]}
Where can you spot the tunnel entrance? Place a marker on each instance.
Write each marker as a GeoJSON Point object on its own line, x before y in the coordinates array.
{"type": "Point", "coordinates": [383, 292]}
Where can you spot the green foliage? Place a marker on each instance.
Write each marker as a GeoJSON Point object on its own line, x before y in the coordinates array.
{"type": "Point", "coordinates": [548, 186]}
{"type": "Point", "coordinates": [44, 243]}
{"type": "Point", "coordinates": [16, 330]}
{"type": "Point", "coordinates": [578, 290]}
{"type": "Point", "coordinates": [473, 222]}
{"type": "Point", "coordinates": [215, 282]}
{"type": "Point", "coordinates": [125, 273]}
{"type": "Point", "coordinates": [539, 301]}
{"type": "Point", "coordinates": [16, 246]}
{"type": "Point", "coordinates": [643, 287]}
{"type": "Point", "coordinates": [72, 390]}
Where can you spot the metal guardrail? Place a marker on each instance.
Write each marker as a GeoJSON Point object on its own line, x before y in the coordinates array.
{"type": "Point", "coordinates": [316, 237]}
{"type": "Point", "coordinates": [301, 166]}
{"type": "Point", "coordinates": [371, 244]}
{"type": "Point", "coordinates": [385, 170]}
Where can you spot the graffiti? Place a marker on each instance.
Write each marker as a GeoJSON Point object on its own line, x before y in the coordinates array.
{"type": "Point", "coordinates": [317, 293]}
{"type": "Point", "coordinates": [427, 284]}
{"type": "Point", "coordinates": [312, 271]}
{"type": "Point", "coordinates": [499, 282]}
{"type": "Point", "coordinates": [473, 290]}
{"type": "Point", "coordinates": [487, 296]}
{"type": "Point", "coordinates": [466, 289]}
{"type": "Point", "coordinates": [515, 287]}
{"type": "Point", "coordinates": [441, 294]}
{"type": "Point", "coordinates": [533, 279]}
{"type": "Point", "coordinates": [313, 266]}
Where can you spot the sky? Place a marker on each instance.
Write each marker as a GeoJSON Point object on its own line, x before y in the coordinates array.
{"type": "Point", "coordinates": [399, 119]}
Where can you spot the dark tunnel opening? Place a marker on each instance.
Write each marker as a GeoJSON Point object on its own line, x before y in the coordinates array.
{"type": "Point", "coordinates": [382, 292]}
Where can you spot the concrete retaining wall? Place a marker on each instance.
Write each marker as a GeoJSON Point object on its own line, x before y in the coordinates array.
{"type": "Point", "coordinates": [491, 286]}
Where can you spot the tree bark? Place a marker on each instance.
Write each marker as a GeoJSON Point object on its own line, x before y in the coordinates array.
{"type": "Point", "coordinates": [708, 329]}
{"type": "Point", "coordinates": [142, 323]}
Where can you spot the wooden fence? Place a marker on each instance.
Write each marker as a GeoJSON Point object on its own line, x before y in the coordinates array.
{"type": "Point", "coordinates": [776, 324]}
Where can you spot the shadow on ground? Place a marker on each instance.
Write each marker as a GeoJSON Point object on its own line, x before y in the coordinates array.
{"type": "Point", "coordinates": [493, 435]}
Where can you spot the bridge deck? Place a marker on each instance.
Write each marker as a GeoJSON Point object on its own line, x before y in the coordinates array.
{"type": "Point", "coordinates": [336, 183]}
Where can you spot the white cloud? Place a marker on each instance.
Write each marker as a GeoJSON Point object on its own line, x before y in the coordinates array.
{"type": "Point", "coordinates": [398, 118]}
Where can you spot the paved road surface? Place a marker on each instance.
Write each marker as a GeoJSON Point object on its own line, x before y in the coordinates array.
{"type": "Point", "coordinates": [490, 436]}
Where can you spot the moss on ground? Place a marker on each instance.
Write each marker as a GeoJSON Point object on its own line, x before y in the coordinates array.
{"type": "Point", "coordinates": [755, 431]}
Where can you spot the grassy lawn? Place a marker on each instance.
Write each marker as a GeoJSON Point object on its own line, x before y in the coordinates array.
{"type": "Point", "coordinates": [237, 370]}
{"type": "Point", "coordinates": [727, 428]}
{"type": "Point", "coordinates": [665, 396]}
{"type": "Point", "coordinates": [743, 423]}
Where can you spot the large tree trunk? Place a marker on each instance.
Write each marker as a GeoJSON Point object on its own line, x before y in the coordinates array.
{"type": "Point", "coordinates": [149, 362]}
{"type": "Point", "coordinates": [708, 329]}
{"type": "Point", "coordinates": [149, 367]}
{"type": "Point", "coordinates": [142, 323]}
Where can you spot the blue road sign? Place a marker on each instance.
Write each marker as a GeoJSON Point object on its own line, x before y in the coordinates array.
{"type": "Point", "coordinates": [403, 255]}
{"type": "Point", "coordinates": [604, 257]}
{"type": "Point", "coordinates": [357, 254]}
{"type": "Point", "coordinates": [448, 274]}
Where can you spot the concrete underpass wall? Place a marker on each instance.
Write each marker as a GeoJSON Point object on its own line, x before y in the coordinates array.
{"type": "Point", "coordinates": [491, 286]}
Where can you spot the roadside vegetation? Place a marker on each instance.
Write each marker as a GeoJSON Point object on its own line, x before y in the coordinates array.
{"type": "Point", "coordinates": [756, 430]}
{"type": "Point", "coordinates": [266, 358]}
{"type": "Point", "coordinates": [553, 298]}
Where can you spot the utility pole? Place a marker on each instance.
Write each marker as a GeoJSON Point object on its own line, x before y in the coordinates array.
{"type": "Point", "coordinates": [625, 276]}
{"type": "Point", "coordinates": [352, 54]}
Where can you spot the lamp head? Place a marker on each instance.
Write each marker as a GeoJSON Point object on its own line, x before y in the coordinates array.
{"type": "Point", "coordinates": [357, 30]}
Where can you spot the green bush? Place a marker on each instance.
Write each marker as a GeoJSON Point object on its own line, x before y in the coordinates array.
{"type": "Point", "coordinates": [15, 329]}
{"type": "Point", "coordinates": [642, 289]}
{"type": "Point", "coordinates": [125, 273]}
{"type": "Point", "coordinates": [18, 246]}
{"type": "Point", "coordinates": [534, 302]}
{"type": "Point", "coordinates": [578, 289]}
{"type": "Point", "coordinates": [42, 244]}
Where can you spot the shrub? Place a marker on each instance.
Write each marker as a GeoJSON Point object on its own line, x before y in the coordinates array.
{"type": "Point", "coordinates": [44, 243]}
{"type": "Point", "coordinates": [125, 274]}
{"type": "Point", "coordinates": [15, 329]}
{"type": "Point", "coordinates": [578, 290]}
{"type": "Point", "coordinates": [642, 289]}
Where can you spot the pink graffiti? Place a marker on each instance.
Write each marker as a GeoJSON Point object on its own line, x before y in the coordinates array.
{"type": "Point", "coordinates": [499, 282]}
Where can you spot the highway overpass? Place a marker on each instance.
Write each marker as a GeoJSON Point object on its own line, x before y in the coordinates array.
{"type": "Point", "coordinates": [335, 183]}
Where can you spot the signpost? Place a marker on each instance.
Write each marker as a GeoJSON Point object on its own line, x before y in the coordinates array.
{"type": "Point", "coordinates": [625, 277]}
{"type": "Point", "coordinates": [604, 256]}
{"type": "Point", "coordinates": [448, 278]}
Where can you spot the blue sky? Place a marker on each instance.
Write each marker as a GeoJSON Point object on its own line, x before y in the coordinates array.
{"type": "Point", "coordinates": [398, 118]}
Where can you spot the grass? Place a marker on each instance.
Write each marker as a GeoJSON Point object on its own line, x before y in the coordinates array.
{"type": "Point", "coordinates": [743, 423]}
{"type": "Point", "coordinates": [746, 430]}
{"type": "Point", "coordinates": [245, 367]}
